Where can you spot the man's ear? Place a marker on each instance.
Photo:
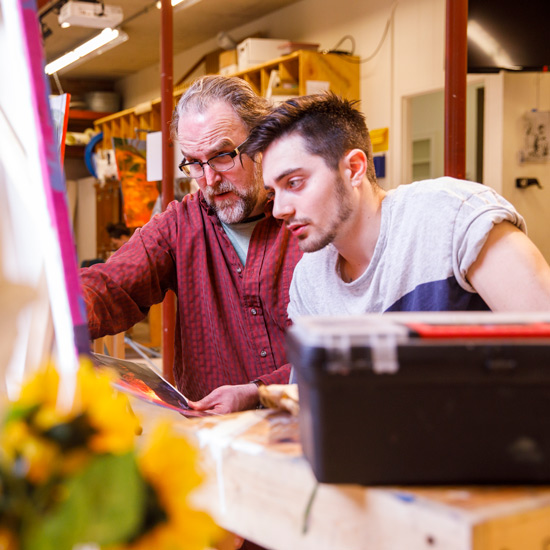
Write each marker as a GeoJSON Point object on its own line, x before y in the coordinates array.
{"type": "Point", "coordinates": [355, 165]}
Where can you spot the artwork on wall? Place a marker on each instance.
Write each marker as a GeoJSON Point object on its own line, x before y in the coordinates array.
{"type": "Point", "coordinates": [138, 194]}
{"type": "Point", "coordinates": [536, 137]}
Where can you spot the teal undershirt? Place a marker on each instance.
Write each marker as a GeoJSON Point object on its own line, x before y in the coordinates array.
{"type": "Point", "coordinates": [239, 234]}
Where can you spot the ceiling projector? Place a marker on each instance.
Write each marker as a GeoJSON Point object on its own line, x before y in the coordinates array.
{"type": "Point", "coordinates": [89, 14]}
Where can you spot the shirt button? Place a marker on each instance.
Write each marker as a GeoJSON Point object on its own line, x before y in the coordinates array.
{"type": "Point", "coordinates": [263, 353]}
{"type": "Point", "coordinates": [239, 269]}
{"type": "Point", "coordinates": [253, 311]}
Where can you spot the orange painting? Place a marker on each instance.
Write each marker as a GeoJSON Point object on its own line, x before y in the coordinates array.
{"type": "Point", "coordinates": [138, 194]}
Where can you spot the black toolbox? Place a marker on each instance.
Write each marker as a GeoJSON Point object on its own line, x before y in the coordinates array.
{"type": "Point", "coordinates": [428, 398]}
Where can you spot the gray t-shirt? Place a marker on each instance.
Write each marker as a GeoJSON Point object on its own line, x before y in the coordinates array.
{"type": "Point", "coordinates": [431, 232]}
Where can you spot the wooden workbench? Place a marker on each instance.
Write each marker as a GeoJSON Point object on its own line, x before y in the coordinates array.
{"type": "Point", "coordinates": [260, 487]}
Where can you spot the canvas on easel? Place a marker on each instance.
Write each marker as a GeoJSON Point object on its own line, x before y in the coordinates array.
{"type": "Point", "coordinates": [37, 246]}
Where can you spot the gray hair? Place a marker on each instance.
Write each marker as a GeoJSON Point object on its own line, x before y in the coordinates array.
{"type": "Point", "coordinates": [206, 90]}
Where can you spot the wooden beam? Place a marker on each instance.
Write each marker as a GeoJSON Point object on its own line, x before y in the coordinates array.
{"type": "Point", "coordinates": [456, 66]}
{"type": "Point", "coordinates": [166, 108]}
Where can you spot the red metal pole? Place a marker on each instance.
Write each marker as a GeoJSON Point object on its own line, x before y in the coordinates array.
{"type": "Point", "coordinates": [166, 108]}
{"type": "Point", "coordinates": [456, 68]}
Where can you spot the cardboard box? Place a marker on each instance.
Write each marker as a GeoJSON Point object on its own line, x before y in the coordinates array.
{"type": "Point", "coordinates": [229, 70]}
{"type": "Point", "coordinates": [255, 51]}
{"type": "Point", "coordinates": [228, 62]}
{"type": "Point", "coordinates": [228, 58]}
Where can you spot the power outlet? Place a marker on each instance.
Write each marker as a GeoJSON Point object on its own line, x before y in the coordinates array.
{"type": "Point", "coordinates": [524, 183]}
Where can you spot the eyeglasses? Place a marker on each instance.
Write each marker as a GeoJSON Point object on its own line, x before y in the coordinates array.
{"type": "Point", "coordinates": [221, 162]}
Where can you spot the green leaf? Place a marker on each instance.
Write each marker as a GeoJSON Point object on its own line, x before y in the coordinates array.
{"type": "Point", "coordinates": [20, 412]}
{"type": "Point", "coordinates": [104, 504]}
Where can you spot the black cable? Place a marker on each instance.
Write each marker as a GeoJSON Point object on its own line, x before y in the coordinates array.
{"type": "Point", "coordinates": [336, 50]}
{"type": "Point", "coordinates": [347, 55]}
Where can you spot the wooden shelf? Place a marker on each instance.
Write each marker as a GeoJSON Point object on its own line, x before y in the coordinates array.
{"type": "Point", "coordinates": [79, 119]}
{"type": "Point", "coordinates": [74, 151]}
{"type": "Point", "coordinates": [86, 115]}
{"type": "Point", "coordinates": [341, 72]}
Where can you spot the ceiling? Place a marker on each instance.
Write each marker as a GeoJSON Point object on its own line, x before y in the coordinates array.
{"type": "Point", "coordinates": [194, 22]}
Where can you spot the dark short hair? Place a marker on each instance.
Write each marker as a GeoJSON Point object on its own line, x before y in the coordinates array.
{"type": "Point", "coordinates": [116, 230]}
{"type": "Point", "coordinates": [209, 89]}
{"type": "Point", "coordinates": [329, 125]}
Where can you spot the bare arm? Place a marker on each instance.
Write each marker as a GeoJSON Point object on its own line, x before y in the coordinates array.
{"type": "Point", "coordinates": [510, 273]}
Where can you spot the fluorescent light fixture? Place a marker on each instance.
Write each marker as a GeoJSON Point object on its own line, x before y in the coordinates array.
{"type": "Point", "coordinates": [487, 43]}
{"type": "Point", "coordinates": [100, 43]}
{"type": "Point", "coordinates": [186, 3]}
{"type": "Point", "coordinates": [173, 2]}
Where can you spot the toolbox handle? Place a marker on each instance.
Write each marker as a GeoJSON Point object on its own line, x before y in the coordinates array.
{"type": "Point", "coordinates": [488, 330]}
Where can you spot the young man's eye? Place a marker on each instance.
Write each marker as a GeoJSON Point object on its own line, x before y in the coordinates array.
{"type": "Point", "coordinates": [294, 184]}
{"type": "Point", "coordinates": [270, 194]}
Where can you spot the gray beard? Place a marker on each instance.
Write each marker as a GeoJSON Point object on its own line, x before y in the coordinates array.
{"type": "Point", "coordinates": [231, 210]}
{"type": "Point", "coordinates": [235, 211]}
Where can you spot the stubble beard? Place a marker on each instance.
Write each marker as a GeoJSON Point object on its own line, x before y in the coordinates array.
{"type": "Point", "coordinates": [342, 197]}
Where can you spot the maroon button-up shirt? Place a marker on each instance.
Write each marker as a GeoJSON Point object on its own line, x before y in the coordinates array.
{"type": "Point", "coordinates": [231, 318]}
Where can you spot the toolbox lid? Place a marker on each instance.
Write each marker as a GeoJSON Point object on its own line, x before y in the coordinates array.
{"type": "Point", "coordinates": [384, 333]}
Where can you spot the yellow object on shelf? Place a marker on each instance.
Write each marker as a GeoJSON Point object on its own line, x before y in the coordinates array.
{"type": "Point", "coordinates": [380, 139]}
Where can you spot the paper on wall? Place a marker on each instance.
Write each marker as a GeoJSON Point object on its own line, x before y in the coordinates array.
{"type": "Point", "coordinates": [317, 86]}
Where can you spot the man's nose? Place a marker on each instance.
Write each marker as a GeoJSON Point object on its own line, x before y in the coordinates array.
{"type": "Point", "coordinates": [282, 208]}
{"type": "Point", "coordinates": [210, 175]}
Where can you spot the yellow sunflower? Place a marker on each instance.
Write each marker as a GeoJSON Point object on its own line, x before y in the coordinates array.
{"type": "Point", "coordinates": [8, 540]}
{"type": "Point", "coordinates": [41, 388]}
{"type": "Point", "coordinates": [168, 465]}
{"type": "Point", "coordinates": [38, 456]}
{"type": "Point", "coordinates": [100, 421]}
{"type": "Point", "coordinates": [108, 411]}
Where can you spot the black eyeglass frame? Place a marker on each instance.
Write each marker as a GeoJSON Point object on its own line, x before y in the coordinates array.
{"type": "Point", "coordinates": [231, 154]}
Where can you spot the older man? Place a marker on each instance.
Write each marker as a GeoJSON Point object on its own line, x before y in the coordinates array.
{"type": "Point", "coordinates": [220, 250]}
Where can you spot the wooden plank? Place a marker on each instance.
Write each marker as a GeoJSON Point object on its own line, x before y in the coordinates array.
{"type": "Point", "coordinates": [259, 486]}
{"type": "Point", "coordinates": [118, 346]}
{"type": "Point", "coordinates": [98, 346]}
{"type": "Point", "coordinates": [515, 531]}
{"type": "Point", "coordinates": [155, 326]}
{"type": "Point", "coordinates": [263, 486]}
{"type": "Point", "coordinates": [112, 345]}
{"type": "Point", "coordinates": [341, 71]}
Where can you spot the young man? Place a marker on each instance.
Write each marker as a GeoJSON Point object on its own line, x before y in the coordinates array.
{"type": "Point", "coordinates": [220, 250]}
{"type": "Point", "coordinates": [434, 245]}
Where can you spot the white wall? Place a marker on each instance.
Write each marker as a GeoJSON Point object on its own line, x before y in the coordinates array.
{"type": "Point", "coordinates": [86, 220]}
{"type": "Point", "coordinates": [521, 93]}
{"type": "Point", "coordinates": [411, 61]}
